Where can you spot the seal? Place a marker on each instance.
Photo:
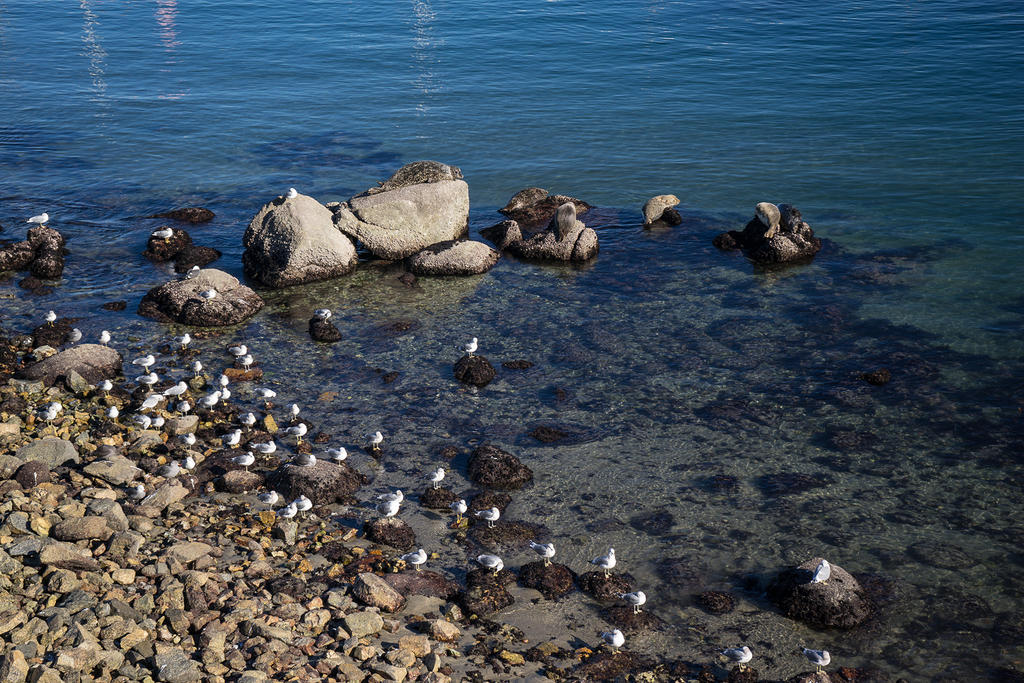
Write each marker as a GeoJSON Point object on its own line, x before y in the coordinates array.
{"type": "Point", "coordinates": [418, 172]}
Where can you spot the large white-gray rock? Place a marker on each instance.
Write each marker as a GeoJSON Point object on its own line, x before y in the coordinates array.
{"type": "Point", "coordinates": [292, 241]}
{"type": "Point", "coordinates": [182, 300]}
{"type": "Point", "coordinates": [91, 361]}
{"type": "Point", "coordinates": [399, 222]}
{"type": "Point", "coordinates": [455, 257]}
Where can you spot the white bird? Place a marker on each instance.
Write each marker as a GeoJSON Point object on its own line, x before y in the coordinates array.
{"type": "Point", "coordinates": [490, 562]}
{"type": "Point", "coordinates": [823, 571]}
{"type": "Point", "coordinates": [322, 313]}
{"type": "Point", "coordinates": [303, 504]}
{"type": "Point", "coordinates": [376, 439]}
{"type": "Point", "coordinates": [545, 550]}
{"type": "Point", "coordinates": [113, 412]}
{"type": "Point", "coordinates": [245, 361]}
{"type": "Point", "coordinates": [266, 394]}
{"type": "Point", "coordinates": [197, 367]}
{"type": "Point", "coordinates": [238, 350]}
{"type": "Point", "coordinates": [233, 438]}
{"type": "Point", "coordinates": [614, 638]}
{"type": "Point", "coordinates": [605, 562]}
{"type": "Point", "coordinates": [184, 340]}
{"type": "Point", "coordinates": [163, 234]}
{"type": "Point", "coordinates": [188, 439]}
{"type": "Point", "coordinates": [104, 337]}
{"type": "Point", "coordinates": [210, 400]}
{"type": "Point", "coordinates": [169, 471]}
{"type": "Point", "coordinates": [76, 335]}
{"type": "Point", "coordinates": [245, 459]}
{"type": "Point", "coordinates": [266, 448]}
{"type": "Point", "coordinates": [298, 431]}
{"type": "Point", "coordinates": [105, 386]}
{"type": "Point", "coordinates": [225, 393]}
{"type": "Point", "coordinates": [738, 655]}
{"type": "Point", "coordinates": [416, 559]}
{"type": "Point", "coordinates": [184, 407]}
{"type": "Point", "coordinates": [292, 193]}
{"type": "Point", "coordinates": [192, 272]}
{"type": "Point", "coordinates": [471, 347]}
{"type": "Point", "coordinates": [293, 411]}
{"type": "Point", "coordinates": [820, 658]}
{"type": "Point", "coordinates": [436, 477]}
{"type": "Point", "coordinates": [459, 507]}
{"type": "Point", "coordinates": [247, 420]}
{"type": "Point", "coordinates": [144, 361]}
{"type": "Point", "coordinates": [41, 219]}
{"type": "Point", "coordinates": [189, 463]}
{"type": "Point", "coordinates": [143, 421]}
{"type": "Point", "coordinates": [269, 498]}
{"type": "Point", "coordinates": [51, 317]}
{"type": "Point", "coordinates": [636, 599]}
{"type": "Point", "coordinates": [208, 293]}
{"type": "Point", "coordinates": [55, 407]}
{"type": "Point", "coordinates": [491, 516]}
{"type": "Point", "coordinates": [337, 454]}
{"type": "Point", "coordinates": [389, 508]}
{"type": "Point", "coordinates": [177, 390]}
{"type": "Point", "coordinates": [223, 380]}
{"type": "Point", "coordinates": [137, 492]}
{"type": "Point", "coordinates": [304, 460]}
{"type": "Point", "coordinates": [158, 422]}
{"type": "Point", "coordinates": [149, 380]}
{"type": "Point", "coordinates": [152, 401]}
{"type": "Point", "coordinates": [288, 511]}
{"type": "Point", "coordinates": [397, 496]}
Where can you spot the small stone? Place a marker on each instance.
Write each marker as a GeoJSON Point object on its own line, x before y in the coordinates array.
{"type": "Point", "coordinates": [125, 577]}
{"type": "Point", "coordinates": [32, 473]}
{"type": "Point", "coordinates": [444, 631]}
{"type": "Point", "coordinates": [361, 624]}
{"type": "Point", "coordinates": [50, 451]}
{"type": "Point", "coordinates": [174, 666]}
{"type": "Point", "coordinates": [372, 590]}
{"type": "Point", "coordinates": [474, 370]}
{"type": "Point", "coordinates": [13, 667]}
{"type": "Point", "coordinates": [67, 556]}
{"type": "Point", "coordinates": [513, 658]}
{"type": "Point", "coordinates": [418, 645]}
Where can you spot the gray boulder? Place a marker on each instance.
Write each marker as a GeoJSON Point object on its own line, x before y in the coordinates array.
{"type": "Point", "coordinates": [93, 362]}
{"type": "Point", "coordinates": [53, 452]}
{"type": "Point", "coordinates": [292, 241]}
{"type": "Point", "coordinates": [418, 172]}
{"type": "Point", "coordinates": [565, 239]}
{"type": "Point", "coordinates": [454, 257]}
{"type": "Point", "coordinates": [180, 300]}
{"type": "Point", "coordinates": [839, 602]}
{"type": "Point", "coordinates": [398, 222]}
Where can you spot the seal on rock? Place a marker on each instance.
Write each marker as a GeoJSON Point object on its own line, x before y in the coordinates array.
{"type": "Point", "coordinates": [655, 207]}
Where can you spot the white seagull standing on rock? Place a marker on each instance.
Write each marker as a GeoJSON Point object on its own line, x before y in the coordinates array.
{"type": "Point", "coordinates": [471, 347]}
{"type": "Point", "coordinates": [266, 448]}
{"type": "Point", "coordinates": [113, 413]}
{"type": "Point", "coordinates": [269, 498]}
{"type": "Point", "coordinates": [614, 638]}
{"type": "Point", "coordinates": [459, 507]}
{"type": "Point", "coordinates": [303, 504]}
{"type": "Point", "coordinates": [247, 420]}
{"type": "Point", "coordinates": [238, 350]}
{"type": "Point", "coordinates": [197, 367]}
{"type": "Point", "coordinates": [184, 340]}
{"type": "Point", "coordinates": [636, 599]}
{"type": "Point", "coordinates": [322, 313]}
{"type": "Point", "coordinates": [337, 455]}
{"type": "Point", "coordinates": [164, 234]}
{"type": "Point", "coordinates": [738, 655]}
{"type": "Point", "coordinates": [51, 317]}
{"type": "Point", "coordinates": [292, 193]}
{"type": "Point", "coordinates": [822, 572]}
{"type": "Point", "coordinates": [416, 559]}
{"type": "Point", "coordinates": [376, 439]}
{"type": "Point", "coordinates": [304, 460]}
{"type": "Point", "coordinates": [545, 550]}
{"type": "Point", "coordinates": [177, 390]}
{"type": "Point", "coordinates": [298, 431]}
{"type": "Point", "coordinates": [208, 294]}
{"type": "Point", "coordinates": [490, 516]}
{"type": "Point", "coordinates": [233, 438]}
{"type": "Point", "coordinates": [436, 477]}
{"type": "Point", "coordinates": [392, 497]}
{"type": "Point", "coordinates": [605, 562]}
{"type": "Point", "coordinates": [820, 658]}
{"type": "Point", "coordinates": [389, 508]}
{"type": "Point", "coordinates": [288, 511]}
{"type": "Point", "coordinates": [41, 219]}
{"type": "Point", "coordinates": [145, 361]}
{"type": "Point", "coordinates": [245, 459]}
{"type": "Point", "coordinates": [188, 439]}
{"type": "Point", "coordinates": [138, 492]}
{"type": "Point", "coordinates": [491, 562]}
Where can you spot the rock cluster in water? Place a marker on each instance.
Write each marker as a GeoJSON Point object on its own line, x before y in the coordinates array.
{"type": "Point", "coordinates": [776, 234]}
{"type": "Point", "coordinates": [183, 300]}
{"type": "Point", "coordinates": [179, 248]}
{"type": "Point", "coordinates": [564, 239]}
{"type": "Point", "coordinates": [41, 253]}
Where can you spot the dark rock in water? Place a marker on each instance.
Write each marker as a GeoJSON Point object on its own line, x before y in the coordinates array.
{"type": "Point", "coordinates": [517, 364]}
{"type": "Point", "coordinates": [323, 483]}
{"type": "Point", "coordinates": [723, 483]}
{"type": "Point", "coordinates": [194, 255]}
{"type": "Point", "coordinates": [32, 473]}
{"type": "Point", "coordinates": [716, 602]}
{"type": "Point", "coordinates": [877, 377]}
{"type": "Point", "coordinates": [17, 256]}
{"type": "Point", "coordinates": [565, 239]}
{"type": "Point", "coordinates": [52, 334]}
{"type": "Point", "coordinates": [654, 523]}
{"type": "Point", "coordinates": [488, 500]}
{"type": "Point", "coordinates": [942, 555]}
{"type": "Point", "coordinates": [790, 483]}
{"type": "Point", "coordinates": [323, 330]}
{"type": "Point", "coordinates": [30, 283]}
{"type": "Point", "coordinates": [494, 468]}
{"type": "Point", "coordinates": [605, 588]}
{"type": "Point", "coordinates": [671, 217]}
{"type": "Point", "coordinates": [505, 536]}
{"type": "Point", "coordinates": [547, 434]}
{"type": "Point", "coordinates": [839, 602]}
{"type": "Point", "coordinates": [389, 377]}
{"type": "Point", "coordinates": [92, 361]}
{"type": "Point", "coordinates": [475, 370]}
{"type": "Point", "coordinates": [44, 238]}
{"type": "Point", "coordinates": [849, 439]}
{"type": "Point", "coordinates": [486, 592]}
{"type": "Point", "coordinates": [776, 234]}
{"type": "Point", "coordinates": [191, 214]}
{"type": "Point", "coordinates": [740, 674]}
{"type": "Point", "coordinates": [115, 306]}
{"type": "Point", "coordinates": [534, 206]}
{"type": "Point", "coordinates": [49, 265]}
{"type": "Point", "coordinates": [253, 374]}
{"type": "Point", "coordinates": [240, 481]}
{"type": "Point", "coordinates": [160, 250]}
{"type": "Point", "coordinates": [610, 666]}
{"type": "Point", "coordinates": [454, 257]}
{"type": "Point", "coordinates": [407, 279]}
{"type": "Point", "coordinates": [390, 531]}
{"type": "Point", "coordinates": [438, 499]}
{"type": "Point", "coordinates": [180, 301]}
{"type": "Point", "coordinates": [424, 582]}
{"type": "Point", "coordinates": [553, 581]}
{"type": "Point", "coordinates": [624, 619]}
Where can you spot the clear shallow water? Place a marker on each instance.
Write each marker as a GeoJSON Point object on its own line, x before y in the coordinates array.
{"type": "Point", "coordinates": [895, 129]}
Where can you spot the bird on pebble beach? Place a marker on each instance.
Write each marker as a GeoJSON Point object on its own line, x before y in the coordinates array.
{"type": "Point", "coordinates": [292, 193]}
{"type": "Point", "coordinates": [245, 460]}
{"type": "Point", "coordinates": [490, 516]}
{"type": "Point", "coordinates": [152, 401]}
{"type": "Point", "coordinates": [738, 655]}
{"type": "Point", "coordinates": [149, 380]}
{"type": "Point", "coordinates": [636, 599]}
{"type": "Point", "coordinates": [164, 234]}
{"type": "Point", "coordinates": [210, 400]}
{"type": "Point", "coordinates": [137, 492]}
{"type": "Point", "coordinates": [820, 658]}
{"type": "Point", "coordinates": [605, 562]}
{"type": "Point", "coordinates": [337, 455]}
{"type": "Point", "coordinates": [492, 562]}
{"type": "Point", "coordinates": [188, 439]}
{"type": "Point", "coordinates": [183, 407]}
{"type": "Point", "coordinates": [105, 386]}
{"type": "Point", "coordinates": [104, 338]}
{"type": "Point", "coordinates": [293, 411]}
{"type": "Point", "coordinates": [269, 498]}
{"type": "Point", "coordinates": [376, 439]}
{"type": "Point", "coordinates": [303, 504]}
{"type": "Point", "coordinates": [245, 361]}
{"type": "Point", "coordinates": [614, 638]}
{"type": "Point", "coordinates": [247, 420]}
{"type": "Point", "coordinates": [177, 390]}
{"type": "Point", "coordinates": [266, 448]}
{"type": "Point", "coordinates": [170, 470]}
{"type": "Point", "coordinates": [389, 508]}
{"type": "Point", "coordinates": [436, 477]}
{"type": "Point", "coordinates": [75, 336]}
{"type": "Point", "coordinates": [822, 572]}
{"type": "Point", "coordinates": [545, 550]}
{"type": "Point", "coordinates": [189, 463]}
{"type": "Point", "coordinates": [113, 413]}
{"type": "Point", "coordinates": [41, 219]}
{"type": "Point", "coordinates": [233, 438]}
{"type": "Point", "coordinates": [471, 347]}
{"type": "Point", "coordinates": [416, 559]}
{"type": "Point", "coordinates": [459, 507]}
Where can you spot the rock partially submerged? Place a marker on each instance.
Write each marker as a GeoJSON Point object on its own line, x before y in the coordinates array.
{"type": "Point", "coordinates": [454, 257]}
{"type": "Point", "coordinates": [92, 361]}
{"type": "Point", "coordinates": [839, 602]}
{"type": "Point", "coordinates": [494, 468]}
{"type": "Point", "coordinates": [776, 234]}
{"type": "Point", "coordinates": [415, 173]}
{"type": "Point", "coordinates": [553, 581]}
{"type": "Point", "coordinates": [42, 253]}
{"type": "Point", "coordinates": [291, 241]}
{"type": "Point", "coordinates": [565, 239]}
{"type": "Point", "coordinates": [533, 206]}
{"type": "Point", "coordinates": [322, 330]}
{"type": "Point", "coordinates": [323, 483]}
{"type": "Point", "coordinates": [475, 370]}
{"type": "Point", "coordinates": [661, 208]}
{"type": "Point", "coordinates": [180, 300]}
{"type": "Point", "coordinates": [189, 214]}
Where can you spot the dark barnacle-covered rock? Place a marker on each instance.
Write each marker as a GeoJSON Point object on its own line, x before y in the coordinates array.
{"type": "Point", "coordinates": [494, 468]}
{"type": "Point", "coordinates": [475, 370]}
{"type": "Point", "coordinates": [776, 234]}
{"type": "Point", "coordinates": [553, 580]}
{"type": "Point", "coordinates": [839, 602]}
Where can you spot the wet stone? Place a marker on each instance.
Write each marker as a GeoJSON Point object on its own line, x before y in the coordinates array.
{"type": "Point", "coordinates": [32, 473]}
{"type": "Point", "coordinates": [517, 364]}
{"type": "Point", "coordinates": [716, 602]}
{"type": "Point", "coordinates": [629, 622]}
{"type": "Point", "coordinates": [474, 370]}
{"type": "Point", "coordinates": [374, 591]}
{"type": "Point", "coordinates": [548, 434]}
{"type": "Point", "coordinates": [392, 532]}
{"type": "Point", "coordinates": [494, 468]}
{"type": "Point", "coordinates": [423, 582]}
{"type": "Point", "coordinates": [190, 214]}
{"type": "Point", "coordinates": [609, 666]}
{"type": "Point", "coordinates": [553, 581]}
{"type": "Point", "coordinates": [323, 331]}
{"type": "Point", "coordinates": [438, 499]}
{"type": "Point", "coordinates": [504, 535]}
{"type": "Point", "coordinates": [839, 602]}
{"type": "Point", "coordinates": [603, 588]}
{"type": "Point", "coordinates": [488, 500]}
{"type": "Point", "coordinates": [486, 592]}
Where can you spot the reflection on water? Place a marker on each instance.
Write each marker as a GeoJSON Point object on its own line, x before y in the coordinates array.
{"type": "Point", "coordinates": [166, 15]}
{"type": "Point", "coordinates": [94, 51]}
{"type": "Point", "coordinates": [426, 46]}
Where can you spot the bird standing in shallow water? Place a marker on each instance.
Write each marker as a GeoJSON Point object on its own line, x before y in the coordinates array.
{"type": "Point", "coordinates": [820, 658]}
{"type": "Point", "coordinates": [490, 516]}
{"type": "Point", "coordinates": [376, 439]}
{"type": "Point", "coordinates": [245, 459]}
{"type": "Point", "coordinates": [491, 562]}
{"type": "Point", "coordinates": [636, 599]}
{"type": "Point", "coordinates": [614, 638]}
{"type": "Point", "coordinates": [436, 477]}
{"type": "Point", "coordinates": [738, 655]}
{"type": "Point", "coordinates": [268, 498]}
{"type": "Point", "coordinates": [104, 337]}
{"type": "Point", "coordinates": [416, 559]}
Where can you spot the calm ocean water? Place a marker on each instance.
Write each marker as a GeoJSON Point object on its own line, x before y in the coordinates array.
{"type": "Point", "coordinates": [895, 127]}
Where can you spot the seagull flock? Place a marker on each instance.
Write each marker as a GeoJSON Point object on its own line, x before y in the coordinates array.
{"type": "Point", "coordinates": [387, 505]}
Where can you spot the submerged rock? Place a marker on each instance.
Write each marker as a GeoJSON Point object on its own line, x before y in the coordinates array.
{"type": "Point", "coordinates": [565, 239]}
{"type": "Point", "coordinates": [776, 234]}
{"type": "Point", "coordinates": [839, 602]}
{"type": "Point", "coordinates": [475, 370]}
{"type": "Point", "coordinates": [293, 241]}
{"type": "Point", "coordinates": [391, 531]}
{"type": "Point", "coordinates": [494, 468]}
{"type": "Point", "coordinates": [190, 214]}
{"type": "Point", "coordinates": [180, 300]}
{"type": "Point", "coordinates": [438, 499]}
{"type": "Point", "coordinates": [553, 581]}
{"type": "Point", "coordinates": [654, 209]}
{"type": "Point", "coordinates": [716, 602]}
{"type": "Point", "coordinates": [93, 362]}
{"type": "Point", "coordinates": [534, 206]}
{"type": "Point", "coordinates": [454, 257]}
{"type": "Point", "coordinates": [605, 588]}
{"type": "Point", "coordinates": [486, 592]}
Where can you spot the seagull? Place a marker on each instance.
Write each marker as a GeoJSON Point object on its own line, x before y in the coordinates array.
{"type": "Point", "coordinates": [143, 421]}
{"type": "Point", "coordinates": [302, 504]}
{"type": "Point", "coordinates": [184, 407]}
{"type": "Point", "coordinates": [416, 559]}
{"type": "Point", "coordinates": [245, 459]}
{"type": "Point", "coordinates": [298, 431]}
{"type": "Point", "coordinates": [266, 395]}
{"type": "Point", "coordinates": [41, 219]}
{"type": "Point", "coordinates": [232, 439]}
{"type": "Point", "coordinates": [192, 272]}
{"type": "Point", "coordinates": [152, 401]}
{"type": "Point", "coordinates": [238, 350]}
{"type": "Point", "coordinates": [397, 496]}
{"type": "Point", "coordinates": [145, 361]}
{"type": "Point", "coordinates": [189, 463]}
{"type": "Point", "coordinates": [188, 439]}
{"type": "Point", "coordinates": [51, 317]}
{"type": "Point", "coordinates": [76, 335]}
{"type": "Point", "coordinates": [149, 380]}
{"type": "Point", "coordinates": [269, 498]}
{"type": "Point", "coordinates": [105, 386]}
{"type": "Point", "coordinates": [388, 508]}
{"type": "Point", "coordinates": [184, 340]}
{"type": "Point", "coordinates": [225, 393]}
{"type": "Point", "coordinates": [820, 658]}
{"type": "Point", "coordinates": [113, 413]}
{"type": "Point", "coordinates": [304, 460]}
{"type": "Point", "coordinates": [292, 193]}
{"type": "Point", "coordinates": [738, 655]}
{"type": "Point", "coordinates": [545, 550]}
{"type": "Point", "coordinates": [210, 400]}
{"type": "Point", "coordinates": [55, 407]}
{"type": "Point", "coordinates": [636, 599]}
{"type": "Point", "coordinates": [164, 234]}
{"type": "Point", "coordinates": [491, 562]}
{"type": "Point", "coordinates": [822, 573]}
{"type": "Point", "coordinates": [223, 380]}
{"type": "Point", "coordinates": [376, 439]}
{"type": "Point", "coordinates": [337, 455]}
{"type": "Point", "coordinates": [471, 347]}
{"type": "Point", "coordinates": [208, 293]}
{"type": "Point", "coordinates": [459, 508]}
{"type": "Point", "coordinates": [293, 411]}
{"type": "Point", "coordinates": [247, 420]}
{"type": "Point", "coordinates": [169, 471]}
{"type": "Point", "coordinates": [266, 448]}
{"type": "Point", "coordinates": [245, 361]}
{"type": "Point", "coordinates": [177, 390]}
{"type": "Point", "coordinates": [614, 638]}
{"type": "Point", "coordinates": [288, 511]}
{"type": "Point", "coordinates": [137, 492]}
{"type": "Point", "coordinates": [605, 562]}
{"type": "Point", "coordinates": [436, 476]}
{"type": "Point", "coordinates": [104, 337]}
{"type": "Point", "coordinates": [322, 313]}
{"type": "Point", "coordinates": [197, 367]}
{"type": "Point", "coordinates": [158, 422]}
{"type": "Point", "coordinates": [491, 516]}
